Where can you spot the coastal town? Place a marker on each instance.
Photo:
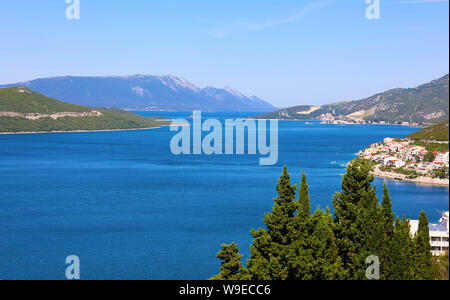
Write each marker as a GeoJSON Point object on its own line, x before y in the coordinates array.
{"type": "Point", "coordinates": [357, 119]}
{"type": "Point", "coordinates": [404, 159]}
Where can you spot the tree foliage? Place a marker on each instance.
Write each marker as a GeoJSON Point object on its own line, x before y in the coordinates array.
{"type": "Point", "coordinates": [232, 268]}
{"type": "Point", "coordinates": [25, 101]}
{"type": "Point", "coordinates": [269, 252]}
{"type": "Point", "coordinates": [437, 132]}
{"type": "Point", "coordinates": [442, 263]}
{"type": "Point", "coordinates": [298, 245]}
{"type": "Point", "coordinates": [422, 247]}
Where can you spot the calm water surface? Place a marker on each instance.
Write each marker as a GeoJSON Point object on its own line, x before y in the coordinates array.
{"type": "Point", "coordinates": [132, 210]}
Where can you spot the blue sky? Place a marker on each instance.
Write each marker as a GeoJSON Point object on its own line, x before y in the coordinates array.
{"type": "Point", "coordinates": [287, 52]}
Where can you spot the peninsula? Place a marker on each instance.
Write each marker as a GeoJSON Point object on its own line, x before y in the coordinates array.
{"type": "Point", "coordinates": [422, 105]}
{"type": "Point", "coordinates": [422, 157]}
{"type": "Point", "coordinates": [25, 111]}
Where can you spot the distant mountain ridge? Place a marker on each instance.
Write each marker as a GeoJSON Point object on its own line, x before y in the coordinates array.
{"type": "Point", "coordinates": [143, 92]}
{"type": "Point", "coordinates": [427, 104]}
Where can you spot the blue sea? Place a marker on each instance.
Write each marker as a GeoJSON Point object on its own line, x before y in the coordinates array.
{"type": "Point", "coordinates": [130, 209]}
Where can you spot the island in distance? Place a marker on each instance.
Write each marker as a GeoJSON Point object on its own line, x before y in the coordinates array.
{"type": "Point", "coordinates": [23, 110]}
{"type": "Point", "coordinates": [426, 104]}
{"type": "Point", "coordinates": [143, 92]}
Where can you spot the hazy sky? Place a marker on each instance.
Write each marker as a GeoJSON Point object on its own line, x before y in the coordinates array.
{"type": "Point", "coordinates": [287, 52]}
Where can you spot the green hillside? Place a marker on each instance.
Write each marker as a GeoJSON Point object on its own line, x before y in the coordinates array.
{"type": "Point", "coordinates": [439, 132]}
{"type": "Point", "coordinates": [294, 113]}
{"type": "Point", "coordinates": [425, 104]}
{"type": "Point", "coordinates": [20, 102]}
{"type": "Point", "coordinates": [24, 100]}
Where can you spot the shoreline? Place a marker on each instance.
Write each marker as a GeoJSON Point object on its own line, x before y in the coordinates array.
{"type": "Point", "coordinates": [328, 123]}
{"type": "Point", "coordinates": [402, 178]}
{"type": "Point", "coordinates": [97, 130]}
{"type": "Point", "coordinates": [77, 131]}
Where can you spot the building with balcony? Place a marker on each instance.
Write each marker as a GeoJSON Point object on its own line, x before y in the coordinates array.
{"type": "Point", "coordinates": [439, 238]}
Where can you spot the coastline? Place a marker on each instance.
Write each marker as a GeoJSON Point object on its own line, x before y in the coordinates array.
{"type": "Point", "coordinates": [98, 130]}
{"type": "Point", "coordinates": [329, 123]}
{"type": "Point", "coordinates": [78, 131]}
{"type": "Point", "coordinates": [402, 178]}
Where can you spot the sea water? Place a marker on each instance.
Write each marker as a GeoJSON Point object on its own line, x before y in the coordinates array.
{"type": "Point", "coordinates": [130, 209]}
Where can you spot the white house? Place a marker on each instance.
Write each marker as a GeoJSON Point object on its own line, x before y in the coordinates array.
{"type": "Point", "coordinates": [388, 160]}
{"type": "Point", "coordinates": [388, 140]}
{"type": "Point", "coordinates": [399, 164]}
{"type": "Point", "coordinates": [438, 234]}
{"type": "Point", "coordinates": [442, 158]}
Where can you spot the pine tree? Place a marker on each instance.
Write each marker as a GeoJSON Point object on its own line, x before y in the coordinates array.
{"type": "Point", "coordinates": [269, 252]}
{"type": "Point", "coordinates": [422, 246]}
{"type": "Point", "coordinates": [232, 268]}
{"type": "Point", "coordinates": [356, 219]}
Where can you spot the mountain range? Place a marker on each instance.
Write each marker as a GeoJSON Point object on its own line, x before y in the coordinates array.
{"type": "Point", "coordinates": [426, 104]}
{"type": "Point", "coordinates": [143, 92]}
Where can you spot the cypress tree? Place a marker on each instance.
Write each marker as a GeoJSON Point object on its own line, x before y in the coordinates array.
{"type": "Point", "coordinates": [270, 248]}
{"type": "Point", "coordinates": [303, 203]}
{"type": "Point", "coordinates": [300, 252]}
{"type": "Point", "coordinates": [401, 252]}
{"type": "Point", "coordinates": [422, 246]}
{"type": "Point", "coordinates": [387, 232]}
{"type": "Point", "coordinates": [313, 254]}
{"type": "Point", "coordinates": [232, 268]}
{"type": "Point", "coordinates": [297, 245]}
{"type": "Point", "coordinates": [356, 219]}
{"type": "Point", "coordinates": [387, 214]}
{"type": "Point", "coordinates": [325, 262]}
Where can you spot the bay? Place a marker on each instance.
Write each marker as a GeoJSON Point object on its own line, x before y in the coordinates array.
{"type": "Point", "coordinates": [130, 209]}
